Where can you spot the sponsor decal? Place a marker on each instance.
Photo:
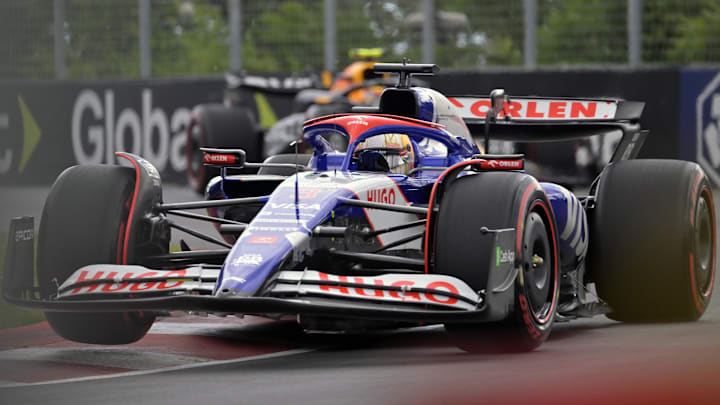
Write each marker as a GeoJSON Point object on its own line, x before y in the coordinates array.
{"type": "Point", "coordinates": [307, 193]}
{"type": "Point", "coordinates": [86, 275]}
{"type": "Point", "coordinates": [263, 240]}
{"type": "Point", "coordinates": [708, 129]}
{"type": "Point", "coordinates": [538, 109]}
{"type": "Point", "coordinates": [529, 324]}
{"type": "Point", "coordinates": [24, 234]}
{"type": "Point", "coordinates": [406, 295]}
{"type": "Point", "coordinates": [31, 137]}
{"type": "Point", "coordinates": [218, 158]}
{"type": "Point", "coordinates": [99, 128]}
{"type": "Point", "coordinates": [251, 259]}
{"type": "Point", "coordinates": [502, 164]}
{"type": "Point", "coordinates": [382, 195]}
{"type": "Point", "coordinates": [358, 122]}
{"type": "Point", "coordinates": [503, 256]}
{"type": "Point", "coordinates": [414, 289]}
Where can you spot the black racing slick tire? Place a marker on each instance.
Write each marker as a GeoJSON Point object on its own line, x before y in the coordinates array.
{"type": "Point", "coordinates": [500, 200]}
{"type": "Point", "coordinates": [301, 159]}
{"type": "Point", "coordinates": [84, 221]}
{"type": "Point", "coordinates": [218, 126]}
{"type": "Point", "coordinates": [652, 247]}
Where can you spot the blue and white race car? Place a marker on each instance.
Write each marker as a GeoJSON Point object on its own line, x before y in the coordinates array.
{"type": "Point", "coordinates": [395, 219]}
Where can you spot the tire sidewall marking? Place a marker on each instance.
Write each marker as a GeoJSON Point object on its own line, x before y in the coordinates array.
{"type": "Point", "coordinates": [527, 308]}
{"type": "Point", "coordinates": [699, 189]}
{"type": "Point", "coordinates": [537, 328]}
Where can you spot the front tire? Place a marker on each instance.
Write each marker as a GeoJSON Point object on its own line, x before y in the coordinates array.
{"type": "Point", "coordinates": [498, 201]}
{"type": "Point", "coordinates": [84, 221]}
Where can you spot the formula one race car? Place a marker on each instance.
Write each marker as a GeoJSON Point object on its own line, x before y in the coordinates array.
{"type": "Point", "coordinates": [394, 220]}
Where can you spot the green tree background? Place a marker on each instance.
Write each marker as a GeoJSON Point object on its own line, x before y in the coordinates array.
{"type": "Point", "coordinates": [576, 31]}
{"type": "Point", "coordinates": [698, 38]}
{"type": "Point", "coordinates": [101, 38]}
{"type": "Point", "coordinates": [26, 39]}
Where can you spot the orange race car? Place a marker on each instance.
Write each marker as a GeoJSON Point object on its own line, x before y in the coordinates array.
{"type": "Point", "coordinates": [235, 124]}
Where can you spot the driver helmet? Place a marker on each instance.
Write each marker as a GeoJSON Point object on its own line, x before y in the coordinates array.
{"type": "Point", "coordinates": [397, 149]}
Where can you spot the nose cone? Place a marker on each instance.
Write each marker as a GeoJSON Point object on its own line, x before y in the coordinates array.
{"type": "Point", "coordinates": [257, 253]}
{"type": "Point", "coordinates": [280, 233]}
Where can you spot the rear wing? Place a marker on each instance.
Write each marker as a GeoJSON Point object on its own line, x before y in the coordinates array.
{"type": "Point", "coordinates": [541, 119]}
{"type": "Point", "coordinates": [550, 110]}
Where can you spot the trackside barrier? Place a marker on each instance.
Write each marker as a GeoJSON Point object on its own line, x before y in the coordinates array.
{"type": "Point", "coordinates": [46, 126]}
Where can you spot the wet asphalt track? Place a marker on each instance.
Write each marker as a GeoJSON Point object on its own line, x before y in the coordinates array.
{"type": "Point", "coordinates": [588, 361]}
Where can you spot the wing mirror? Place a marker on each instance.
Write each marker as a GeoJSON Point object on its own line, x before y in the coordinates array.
{"type": "Point", "coordinates": [498, 98]}
{"type": "Point", "coordinates": [224, 157]}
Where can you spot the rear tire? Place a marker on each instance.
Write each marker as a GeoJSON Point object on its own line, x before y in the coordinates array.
{"type": "Point", "coordinates": [652, 253]}
{"type": "Point", "coordinates": [83, 222]}
{"type": "Point", "coordinates": [218, 126]}
{"type": "Point", "coordinates": [500, 200]}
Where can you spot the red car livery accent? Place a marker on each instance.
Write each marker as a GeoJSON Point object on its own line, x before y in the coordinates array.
{"type": "Point", "coordinates": [218, 158]}
{"type": "Point", "coordinates": [263, 240]}
{"type": "Point", "coordinates": [382, 195]}
{"type": "Point", "coordinates": [409, 295]}
{"type": "Point", "coordinates": [502, 164]}
{"type": "Point", "coordinates": [355, 127]}
{"type": "Point", "coordinates": [128, 285]}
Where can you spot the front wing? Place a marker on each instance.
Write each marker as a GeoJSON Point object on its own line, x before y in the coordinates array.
{"type": "Point", "coordinates": [428, 298]}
